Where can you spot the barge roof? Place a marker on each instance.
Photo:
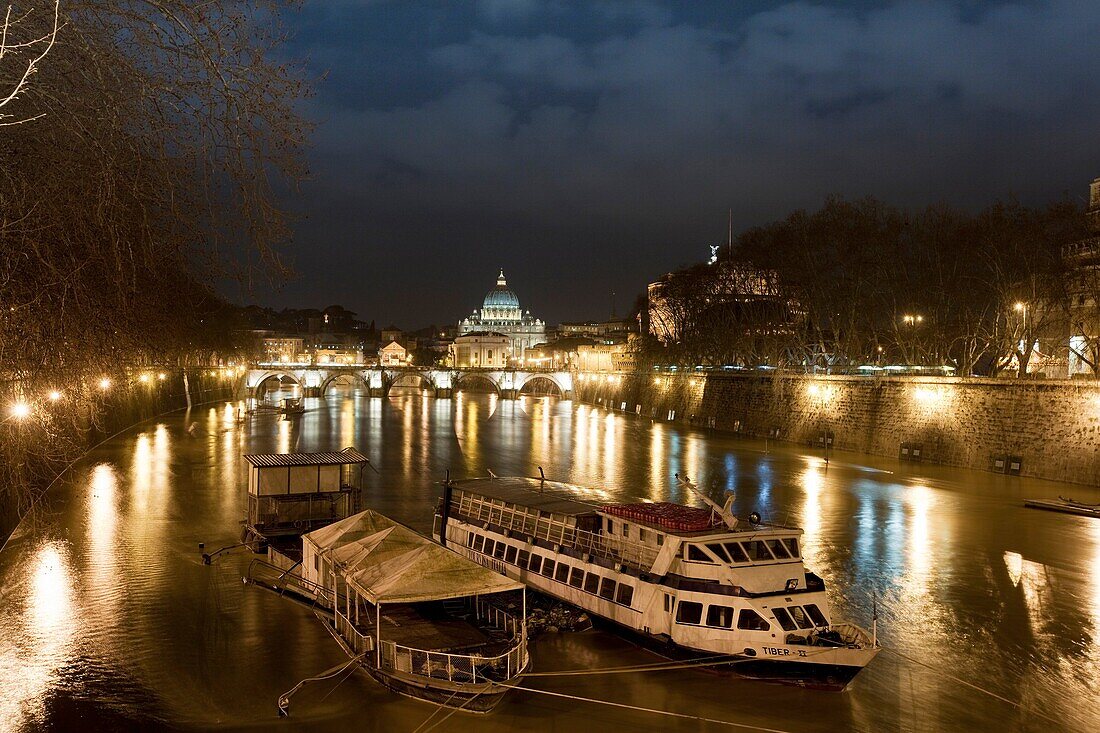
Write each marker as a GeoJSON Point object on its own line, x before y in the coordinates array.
{"type": "Point", "coordinates": [545, 495]}
{"type": "Point", "coordinates": [386, 562]}
{"type": "Point", "coordinates": [333, 458]}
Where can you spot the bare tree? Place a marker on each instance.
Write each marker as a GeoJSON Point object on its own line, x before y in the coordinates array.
{"type": "Point", "coordinates": [24, 44]}
{"type": "Point", "coordinates": [154, 141]}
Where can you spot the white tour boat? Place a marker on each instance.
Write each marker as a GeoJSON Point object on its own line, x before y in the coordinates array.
{"type": "Point", "coordinates": [691, 582]}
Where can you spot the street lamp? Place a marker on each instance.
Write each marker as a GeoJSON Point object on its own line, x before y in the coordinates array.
{"type": "Point", "coordinates": [54, 396]}
{"type": "Point", "coordinates": [20, 410]}
{"type": "Point", "coordinates": [105, 384]}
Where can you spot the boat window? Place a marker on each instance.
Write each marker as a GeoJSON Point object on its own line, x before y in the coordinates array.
{"type": "Point", "coordinates": [696, 554]}
{"type": "Point", "coordinates": [523, 558]}
{"type": "Point", "coordinates": [607, 589]}
{"type": "Point", "coordinates": [720, 616]}
{"type": "Point", "coordinates": [668, 602]}
{"type": "Point", "coordinates": [316, 563]}
{"type": "Point", "coordinates": [783, 618]}
{"type": "Point", "coordinates": [591, 583]}
{"type": "Point", "coordinates": [489, 545]}
{"type": "Point", "coordinates": [689, 612]}
{"type": "Point", "coordinates": [757, 550]}
{"type": "Point", "coordinates": [660, 539]}
{"type": "Point", "coordinates": [816, 615]}
{"type": "Point", "coordinates": [800, 617]}
{"type": "Point", "coordinates": [610, 526]}
{"type": "Point", "coordinates": [641, 534]}
{"type": "Point", "coordinates": [719, 552]}
{"type": "Point", "coordinates": [562, 573]}
{"type": "Point", "coordinates": [792, 545]}
{"type": "Point", "coordinates": [499, 550]}
{"type": "Point", "coordinates": [626, 529]}
{"type": "Point", "coordinates": [625, 594]}
{"type": "Point", "coordinates": [576, 578]}
{"type": "Point", "coordinates": [470, 539]}
{"type": "Point", "coordinates": [750, 620]}
{"type": "Point", "coordinates": [778, 549]}
{"type": "Point", "coordinates": [510, 555]}
{"type": "Point", "coordinates": [736, 553]}
{"type": "Point", "coordinates": [548, 568]}
{"type": "Point", "coordinates": [535, 564]}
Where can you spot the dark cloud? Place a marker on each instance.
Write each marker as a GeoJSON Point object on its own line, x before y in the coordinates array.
{"type": "Point", "coordinates": [586, 148]}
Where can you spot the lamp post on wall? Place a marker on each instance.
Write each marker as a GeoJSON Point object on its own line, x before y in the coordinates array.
{"type": "Point", "coordinates": [1023, 354]}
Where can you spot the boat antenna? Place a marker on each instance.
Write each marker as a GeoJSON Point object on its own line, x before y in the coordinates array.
{"type": "Point", "coordinates": [725, 512]}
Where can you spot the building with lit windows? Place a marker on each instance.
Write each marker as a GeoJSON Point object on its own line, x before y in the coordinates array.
{"type": "Point", "coordinates": [501, 314]}
{"type": "Point", "coordinates": [481, 349]}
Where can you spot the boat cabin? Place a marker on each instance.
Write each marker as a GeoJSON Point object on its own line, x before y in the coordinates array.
{"type": "Point", "coordinates": [292, 493]}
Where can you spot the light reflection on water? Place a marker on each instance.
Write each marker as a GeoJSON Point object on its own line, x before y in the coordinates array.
{"type": "Point", "coordinates": [107, 611]}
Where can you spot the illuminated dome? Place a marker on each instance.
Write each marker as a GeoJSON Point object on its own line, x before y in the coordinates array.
{"type": "Point", "coordinates": [500, 314]}
{"type": "Point", "coordinates": [501, 296]}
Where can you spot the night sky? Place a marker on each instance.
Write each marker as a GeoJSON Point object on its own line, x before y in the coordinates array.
{"type": "Point", "coordinates": [591, 147]}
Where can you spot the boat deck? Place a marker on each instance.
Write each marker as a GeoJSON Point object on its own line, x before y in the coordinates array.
{"type": "Point", "coordinates": [423, 629]}
{"type": "Point", "coordinates": [411, 627]}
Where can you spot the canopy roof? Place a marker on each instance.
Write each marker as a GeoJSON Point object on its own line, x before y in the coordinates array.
{"type": "Point", "coordinates": [386, 562]}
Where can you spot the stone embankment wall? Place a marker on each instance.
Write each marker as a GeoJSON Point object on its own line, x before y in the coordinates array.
{"type": "Point", "coordinates": [1050, 429]}
{"type": "Point", "coordinates": [129, 404]}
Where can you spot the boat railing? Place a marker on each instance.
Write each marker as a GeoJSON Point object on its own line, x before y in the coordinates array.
{"type": "Point", "coordinates": [492, 614]}
{"type": "Point", "coordinates": [468, 668]}
{"type": "Point", "coordinates": [284, 579]}
{"type": "Point", "coordinates": [523, 520]}
{"type": "Point", "coordinates": [359, 642]}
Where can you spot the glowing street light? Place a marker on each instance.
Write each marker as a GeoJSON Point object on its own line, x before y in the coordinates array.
{"type": "Point", "coordinates": [143, 378]}
{"type": "Point", "coordinates": [54, 396]}
{"type": "Point", "coordinates": [161, 376]}
{"type": "Point", "coordinates": [20, 410]}
{"type": "Point", "coordinates": [105, 383]}
{"type": "Point", "coordinates": [1020, 307]}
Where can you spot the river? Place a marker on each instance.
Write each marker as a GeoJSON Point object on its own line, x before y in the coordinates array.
{"type": "Point", "coordinates": [110, 621]}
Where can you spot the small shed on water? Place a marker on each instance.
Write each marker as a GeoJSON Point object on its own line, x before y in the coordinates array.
{"type": "Point", "coordinates": [294, 493]}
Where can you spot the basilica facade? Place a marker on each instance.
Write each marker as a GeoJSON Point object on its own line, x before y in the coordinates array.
{"type": "Point", "coordinates": [501, 314]}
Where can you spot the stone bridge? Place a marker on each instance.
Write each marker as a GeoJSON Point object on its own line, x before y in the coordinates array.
{"type": "Point", "coordinates": [437, 381]}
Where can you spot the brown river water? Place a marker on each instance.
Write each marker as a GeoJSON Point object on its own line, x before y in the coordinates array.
{"type": "Point", "coordinates": [989, 612]}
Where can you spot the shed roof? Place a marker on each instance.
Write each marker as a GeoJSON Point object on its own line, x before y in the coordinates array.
{"type": "Point", "coordinates": [338, 458]}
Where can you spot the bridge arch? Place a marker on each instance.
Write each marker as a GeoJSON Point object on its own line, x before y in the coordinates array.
{"type": "Point", "coordinates": [258, 386]}
{"type": "Point", "coordinates": [469, 379]}
{"type": "Point", "coordinates": [403, 378]}
{"type": "Point", "coordinates": [542, 384]}
{"type": "Point", "coordinates": [355, 376]}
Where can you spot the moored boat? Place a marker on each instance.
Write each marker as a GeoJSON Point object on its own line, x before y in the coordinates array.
{"type": "Point", "coordinates": [417, 617]}
{"type": "Point", "coordinates": [1065, 505]}
{"type": "Point", "coordinates": [692, 582]}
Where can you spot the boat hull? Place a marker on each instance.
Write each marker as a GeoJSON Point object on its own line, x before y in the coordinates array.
{"type": "Point", "coordinates": [810, 675]}
{"type": "Point", "coordinates": [469, 698]}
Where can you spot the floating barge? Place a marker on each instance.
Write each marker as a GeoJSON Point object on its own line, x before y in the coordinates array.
{"type": "Point", "coordinates": [417, 617]}
{"type": "Point", "coordinates": [290, 494]}
{"type": "Point", "coordinates": [690, 582]}
{"type": "Point", "coordinates": [1065, 505]}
